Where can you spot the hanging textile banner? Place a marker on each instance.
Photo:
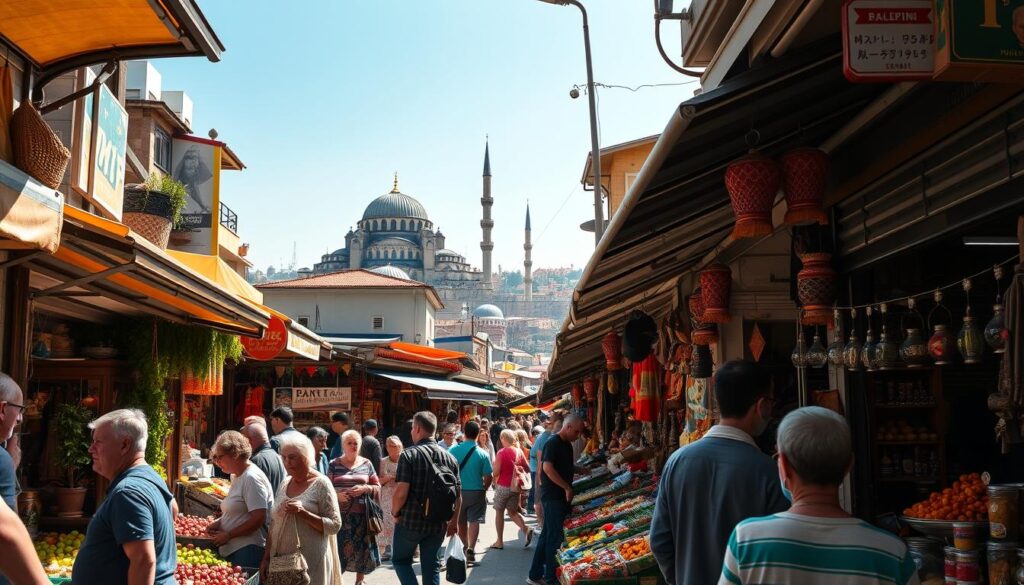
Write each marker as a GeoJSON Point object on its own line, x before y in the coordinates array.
{"type": "Point", "coordinates": [314, 398]}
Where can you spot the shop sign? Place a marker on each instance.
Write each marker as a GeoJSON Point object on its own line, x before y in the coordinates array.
{"type": "Point", "coordinates": [303, 347]}
{"type": "Point", "coordinates": [101, 145]}
{"type": "Point", "coordinates": [196, 163]}
{"type": "Point", "coordinates": [299, 399]}
{"type": "Point", "coordinates": [271, 344]}
{"type": "Point", "coordinates": [980, 40]}
{"type": "Point", "coordinates": [885, 40]}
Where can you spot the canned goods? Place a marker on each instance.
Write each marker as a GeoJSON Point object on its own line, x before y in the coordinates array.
{"type": "Point", "coordinates": [967, 566]}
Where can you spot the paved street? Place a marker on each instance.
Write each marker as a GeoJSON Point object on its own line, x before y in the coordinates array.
{"type": "Point", "coordinates": [505, 567]}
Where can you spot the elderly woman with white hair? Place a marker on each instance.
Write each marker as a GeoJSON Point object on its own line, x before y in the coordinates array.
{"type": "Point", "coordinates": [305, 515]}
{"type": "Point", "coordinates": [816, 541]}
{"type": "Point", "coordinates": [355, 481]}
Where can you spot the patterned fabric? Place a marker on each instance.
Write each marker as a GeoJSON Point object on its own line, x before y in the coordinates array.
{"type": "Point", "coordinates": [388, 468]}
{"type": "Point", "coordinates": [344, 478]}
{"type": "Point", "coordinates": [320, 549]}
{"type": "Point", "coordinates": [644, 391]}
{"type": "Point", "coordinates": [356, 547]}
{"type": "Point", "coordinates": [415, 469]}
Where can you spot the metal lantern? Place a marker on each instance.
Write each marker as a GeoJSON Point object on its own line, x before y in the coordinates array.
{"type": "Point", "coordinates": [851, 354]}
{"type": "Point", "coordinates": [867, 353]}
{"type": "Point", "coordinates": [816, 287]}
{"type": "Point", "coordinates": [817, 355]}
{"type": "Point", "coordinates": [887, 352]}
{"type": "Point", "coordinates": [970, 341]}
{"type": "Point", "coordinates": [913, 351]}
{"type": "Point", "coordinates": [804, 175]}
{"type": "Point", "coordinates": [941, 346]}
{"type": "Point", "coordinates": [995, 330]}
{"type": "Point", "coordinates": [752, 183]}
{"type": "Point", "coordinates": [702, 366]}
{"type": "Point", "coordinates": [835, 349]}
{"type": "Point", "coordinates": [799, 353]}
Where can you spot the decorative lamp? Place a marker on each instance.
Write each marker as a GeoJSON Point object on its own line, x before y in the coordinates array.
{"type": "Point", "coordinates": [913, 350]}
{"type": "Point", "coordinates": [887, 352]}
{"type": "Point", "coordinates": [804, 175]}
{"type": "Point", "coordinates": [611, 346]}
{"type": "Point", "coordinates": [836, 348]}
{"type": "Point", "coordinates": [701, 366]}
{"type": "Point", "coordinates": [752, 183]}
{"type": "Point", "coordinates": [695, 302]}
{"type": "Point", "coordinates": [941, 346]}
{"type": "Point", "coordinates": [817, 355]}
{"type": "Point", "coordinates": [816, 287]}
{"type": "Point", "coordinates": [799, 354]}
{"type": "Point", "coordinates": [851, 353]}
{"type": "Point", "coordinates": [970, 341]}
{"type": "Point", "coordinates": [995, 330]}
{"type": "Point", "coordinates": [715, 284]}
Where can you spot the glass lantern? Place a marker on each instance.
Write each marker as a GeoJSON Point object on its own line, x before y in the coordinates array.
{"type": "Point", "coordinates": [799, 354]}
{"type": "Point", "coordinates": [913, 351]}
{"type": "Point", "coordinates": [970, 341]}
{"type": "Point", "coordinates": [817, 355]}
{"type": "Point", "coordinates": [851, 354]}
{"type": "Point", "coordinates": [995, 330]}
{"type": "Point", "coordinates": [887, 352]}
{"type": "Point", "coordinates": [867, 353]}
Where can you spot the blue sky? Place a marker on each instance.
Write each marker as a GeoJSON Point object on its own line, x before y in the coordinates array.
{"type": "Point", "coordinates": [324, 100]}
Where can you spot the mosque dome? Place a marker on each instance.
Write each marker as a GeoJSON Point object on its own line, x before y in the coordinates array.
{"type": "Point", "coordinates": [392, 271]}
{"type": "Point", "coordinates": [488, 312]}
{"type": "Point", "coordinates": [395, 204]}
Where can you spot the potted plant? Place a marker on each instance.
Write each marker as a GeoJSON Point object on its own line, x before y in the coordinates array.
{"type": "Point", "coordinates": [71, 423]}
{"type": "Point", "coordinates": [154, 207]}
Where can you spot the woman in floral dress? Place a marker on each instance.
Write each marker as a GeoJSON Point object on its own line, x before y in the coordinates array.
{"type": "Point", "coordinates": [355, 480]}
{"type": "Point", "coordinates": [388, 471]}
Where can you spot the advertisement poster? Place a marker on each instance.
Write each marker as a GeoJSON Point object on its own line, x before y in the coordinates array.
{"type": "Point", "coordinates": [106, 172]}
{"type": "Point", "coordinates": [300, 399]}
{"type": "Point", "coordinates": [196, 163]}
{"type": "Point", "coordinates": [980, 40]}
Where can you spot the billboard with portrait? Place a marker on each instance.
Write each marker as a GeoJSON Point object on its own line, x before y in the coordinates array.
{"type": "Point", "coordinates": [196, 163]}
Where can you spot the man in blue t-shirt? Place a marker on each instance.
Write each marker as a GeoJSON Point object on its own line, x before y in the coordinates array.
{"type": "Point", "coordinates": [130, 540]}
{"type": "Point", "coordinates": [475, 473]}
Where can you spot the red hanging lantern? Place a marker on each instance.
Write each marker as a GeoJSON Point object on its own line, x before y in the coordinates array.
{"type": "Point", "coordinates": [804, 175]}
{"type": "Point", "coordinates": [816, 287]}
{"type": "Point", "coordinates": [590, 389]}
{"type": "Point", "coordinates": [611, 346]}
{"type": "Point", "coordinates": [715, 284]}
{"type": "Point", "coordinates": [752, 183]}
{"type": "Point", "coordinates": [702, 334]}
{"type": "Point", "coordinates": [577, 393]}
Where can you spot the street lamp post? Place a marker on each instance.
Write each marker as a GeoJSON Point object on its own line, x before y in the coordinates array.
{"type": "Point", "coordinates": [595, 148]}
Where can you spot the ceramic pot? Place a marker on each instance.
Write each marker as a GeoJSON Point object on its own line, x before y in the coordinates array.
{"type": "Point", "coordinates": [70, 502]}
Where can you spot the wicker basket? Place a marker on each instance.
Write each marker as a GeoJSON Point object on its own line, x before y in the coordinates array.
{"type": "Point", "coordinates": [154, 228]}
{"type": "Point", "coordinates": [37, 149]}
{"type": "Point", "coordinates": [149, 214]}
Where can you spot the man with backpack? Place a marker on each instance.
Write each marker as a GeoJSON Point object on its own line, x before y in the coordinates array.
{"type": "Point", "coordinates": [426, 504]}
{"type": "Point", "coordinates": [475, 476]}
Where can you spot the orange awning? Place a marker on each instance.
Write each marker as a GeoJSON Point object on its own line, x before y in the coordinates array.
{"type": "Point", "coordinates": [426, 351]}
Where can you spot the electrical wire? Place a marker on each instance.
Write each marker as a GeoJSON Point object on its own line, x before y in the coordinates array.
{"type": "Point", "coordinates": [664, 56]}
{"type": "Point", "coordinates": [553, 217]}
{"type": "Point", "coordinates": [583, 86]}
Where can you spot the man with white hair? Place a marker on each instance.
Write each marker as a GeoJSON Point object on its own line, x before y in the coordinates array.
{"type": "Point", "coordinates": [12, 403]}
{"type": "Point", "coordinates": [130, 539]}
{"type": "Point", "coordinates": [263, 455]}
{"type": "Point", "coordinates": [815, 541]}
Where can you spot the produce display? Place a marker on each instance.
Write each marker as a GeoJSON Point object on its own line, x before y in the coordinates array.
{"type": "Point", "coordinates": [966, 500]}
{"type": "Point", "coordinates": [193, 526]}
{"type": "Point", "coordinates": [609, 512]}
{"type": "Point", "coordinates": [635, 548]}
{"type": "Point", "coordinates": [209, 575]}
{"type": "Point", "coordinates": [215, 486]}
{"type": "Point", "coordinates": [57, 552]}
{"type": "Point", "coordinates": [602, 565]}
{"type": "Point", "coordinates": [190, 554]}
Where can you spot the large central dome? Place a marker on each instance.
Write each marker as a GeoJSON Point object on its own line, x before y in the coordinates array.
{"type": "Point", "coordinates": [395, 204]}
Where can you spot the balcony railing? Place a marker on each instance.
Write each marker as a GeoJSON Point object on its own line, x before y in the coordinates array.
{"type": "Point", "coordinates": [228, 218]}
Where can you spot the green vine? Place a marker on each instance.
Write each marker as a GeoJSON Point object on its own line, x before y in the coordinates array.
{"type": "Point", "coordinates": [178, 349]}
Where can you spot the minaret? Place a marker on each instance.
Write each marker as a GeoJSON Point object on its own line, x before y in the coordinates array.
{"type": "Point", "coordinates": [528, 260]}
{"type": "Point", "coordinates": [487, 223]}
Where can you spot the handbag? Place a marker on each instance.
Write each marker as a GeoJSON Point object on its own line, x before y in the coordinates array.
{"type": "Point", "coordinates": [522, 481]}
{"type": "Point", "coordinates": [374, 516]}
{"type": "Point", "coordinates": [289, 568]}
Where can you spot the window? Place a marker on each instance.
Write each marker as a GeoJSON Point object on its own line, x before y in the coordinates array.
{"type": "Point", "coordinates": [403, 225]}
{"type": "Point", "coordinates": [378, 323]}
{"type": "Point", "coordinates": [162, 150]}
{"type": "Point", "coordinates": [394, 225]}
{"type": "Point", "coordinates": [630, 177]}
{"type": "Point", "coordinates": [132, 94]}
{"type": "Point", "coordinates": [304, 320]}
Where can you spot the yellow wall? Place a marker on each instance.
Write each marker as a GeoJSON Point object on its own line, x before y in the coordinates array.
{"type": "Point", "coordinates": [622, 163]}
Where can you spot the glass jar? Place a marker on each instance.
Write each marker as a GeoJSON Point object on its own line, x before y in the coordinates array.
{"type": "Point", "coordinates": [964, 537]}
{"type": "Point", "coordinates": [967, 566]}
{"type": "Point", "coordinates": [1002, 563]}
{"type": "Point", "coordinates": [949, 564]}
{"type": "Point", "coordinates": [1004, 512]}
{"type": "Point", "coordinates": [927, 555]}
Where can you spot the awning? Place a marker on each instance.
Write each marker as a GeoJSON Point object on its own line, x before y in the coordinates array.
{"type": "Point", "coordinates": [103, 270]}
{"type": "Point", "coordinates": [57, 36]}
{"type": "Point", "coordinates": [343, 341]}
{"type": "Point", "coordinates": [425, 351]}
{"type": "Point", "coordinates": [438, 389]}
{"type": "Point", "coordinates": [677, 211]}
{"type": "Point", "coordinates": [31, 214]}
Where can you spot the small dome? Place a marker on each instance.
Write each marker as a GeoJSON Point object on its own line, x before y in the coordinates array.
{"type": "Point", "coordinates": [488, 312]}
{"type": "Point", "coordinates": [395, 204]}
{"type": "Point", "coordinates": [392, 271]}
{"type": "Point", "coordinates": [447, 252]}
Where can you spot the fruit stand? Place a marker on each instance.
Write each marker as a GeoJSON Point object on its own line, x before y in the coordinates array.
{"type": "Point", "coordinates": [202, 497]}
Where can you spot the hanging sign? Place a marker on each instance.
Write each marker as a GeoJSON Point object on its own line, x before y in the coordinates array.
{"type": "Point", "coordinates": [886, 40]}
{"type": "Point", "coordinates": [196, 163]}
{"type": "Point", "coordinates": [101, 147]}
{"type": "Point", "coordinates": [298, 399]}
{"type": "Point", "coordinates": [980, 40]}
{"type": "Point", "coordinates": [271, 344]}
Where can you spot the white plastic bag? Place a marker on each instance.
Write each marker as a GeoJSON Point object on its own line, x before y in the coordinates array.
{"type": "Point", "coordinates": [455, 561]}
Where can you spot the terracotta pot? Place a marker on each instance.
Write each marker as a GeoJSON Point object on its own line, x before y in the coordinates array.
{"type": "Point", "coordinates": [752, 183]}
{"type": "Point", "coordinates": [804, 176]}
{"type": "Point", "coordinates": [816, 287]}
{"type": "Point", "coordinates": [611, 346]}
{"type": "Point", "coordinates": [70, 502]}
{"type": "Point", "coordinates": [715, 284]}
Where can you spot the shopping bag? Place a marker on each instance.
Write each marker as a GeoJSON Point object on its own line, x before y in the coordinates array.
{"type": "Point", "coordinates": [455, 561]}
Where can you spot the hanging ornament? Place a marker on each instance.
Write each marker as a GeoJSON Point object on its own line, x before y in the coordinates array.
{"type": "Point", "coordinates": [702, 364]}
{"type": "Point", "coordinates": [577, 393]}
{"type": "Point", "coordinates": [332, 370]}
{"type": "Point", "coordinates": [816, 287]}
{"type": "Point", "coordinates": [913, 350]}
{"type": "Point", "coordinates": [279, 371]}
{"type": "Point", "coordinates": [611, 346]}
{"type": "Point", "coordinates": [715, 284]}
{"type": "Point", "coordinates": [703, 333]}
{"type": "Point", "coordinates": [888, 349]}
{"type": "Point", "coordinates": [868, 353]}
{"type": "Point", "coordinates": [752, 182]}
{"type": "Point", "coordinates": [310, 371]}
{"type": "Point", "coordinates": [804, 175]}
{"type": "Point", "coordinates": [970, 340]}
{"type": "Point", "coordinates": [298, 371]}
{"type": "Point", "coordinates": [590, 389]}
{"type": "Point", "coordinates": [757, 343]}
{"type": "Point", "coordinates": [817, 355]}
{"type": "Point", "coordinates": [851, 353]}
{"type": "Point", "coordinates": [346, 367]}
{"type": "Point", "coordinates": [836, 348]}
{"type": "Point", "coordinates": [995, 330]}
{"type": "Point", "coordinates": [799, 354]}
{"type": "Point", "coordinates": [940, 346]}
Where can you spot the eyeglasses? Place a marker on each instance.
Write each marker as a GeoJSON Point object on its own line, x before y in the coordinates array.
{"type": "Point", "coordinates": [20, 407]}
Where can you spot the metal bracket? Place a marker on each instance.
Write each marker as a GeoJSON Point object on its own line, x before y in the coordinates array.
{"type": "Point", "coordinates": [21, 259]}
{"type": "Point", "coordinates": [105, 73]}
{"type": "Point", "coordinates": [85, 280]}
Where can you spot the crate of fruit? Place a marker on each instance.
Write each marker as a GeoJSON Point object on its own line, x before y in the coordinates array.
{"type": "Point", "coordinates": [603, 567]}
{"type": "Point", "coordinates": [636, 554]}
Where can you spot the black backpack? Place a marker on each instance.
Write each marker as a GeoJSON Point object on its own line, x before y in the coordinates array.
{"type": "Point", "coordinates": [442, 490]}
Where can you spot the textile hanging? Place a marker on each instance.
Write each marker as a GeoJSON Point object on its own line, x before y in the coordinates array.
{"type": "Point", "coordinates": [251, 403]}
{"type": "Point", "coordinates": [644, 389]}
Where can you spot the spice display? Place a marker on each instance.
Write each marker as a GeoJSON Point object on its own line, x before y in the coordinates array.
{"type": "Point", "coordinates": [1003, 512]}
{"type": "Point", "coordinates": [1002, 563]}
{"type": "Point", "coordinates": [964, 501]}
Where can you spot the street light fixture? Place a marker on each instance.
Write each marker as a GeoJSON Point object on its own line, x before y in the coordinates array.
{"type": "Point", "coordinates": [595, 154]}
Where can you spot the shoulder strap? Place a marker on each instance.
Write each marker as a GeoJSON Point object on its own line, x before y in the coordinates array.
{"type": "Point", "coordinates": [466, 458]}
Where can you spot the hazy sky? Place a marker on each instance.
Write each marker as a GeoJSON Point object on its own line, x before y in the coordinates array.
{"type": "Point", "coordinates": [324, 100]}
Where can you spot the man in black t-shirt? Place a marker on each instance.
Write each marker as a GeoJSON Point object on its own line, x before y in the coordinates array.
{"type": "Point", "coordinates": [555, 498]}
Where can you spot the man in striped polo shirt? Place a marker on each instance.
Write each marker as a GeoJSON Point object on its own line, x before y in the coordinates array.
{"type": "Point", "coordinates": [815, 541]}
